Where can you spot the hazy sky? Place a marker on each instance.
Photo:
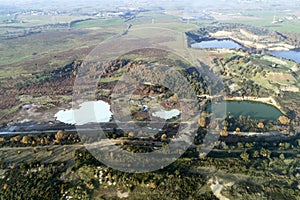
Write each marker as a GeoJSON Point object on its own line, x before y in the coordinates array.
{"type": "Point", "coordinates": [201, 4]}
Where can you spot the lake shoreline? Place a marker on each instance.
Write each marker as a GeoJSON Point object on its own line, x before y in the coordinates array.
{"type": "Point", "coordinates": [278, 46]}
{"type": "Point", "coordinates": [265, 100]}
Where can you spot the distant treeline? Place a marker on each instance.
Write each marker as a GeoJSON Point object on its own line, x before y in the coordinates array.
{"type": "Point", "coordinates": [35, 30]}
{"type": "Point", "coordinates": [72, 23]}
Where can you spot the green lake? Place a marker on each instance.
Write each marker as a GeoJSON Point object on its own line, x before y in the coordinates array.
{"type": "Point", "coordinates": [255, 110]}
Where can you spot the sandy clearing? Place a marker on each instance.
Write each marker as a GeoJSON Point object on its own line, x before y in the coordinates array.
{"type": "Point", "coordinates": [217, 187]}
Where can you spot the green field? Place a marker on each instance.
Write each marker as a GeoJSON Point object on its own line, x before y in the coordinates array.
{"type": "Point", "coordinates": [46, 48]}
{"type": "Point", "coordinates": [98, 23]}
{"type": "Point", "coordinates": [265, 19]}
{"type": "Point", "coordinates": [25, 53]}
{"type": "Point", "coordinates": [288, 26]}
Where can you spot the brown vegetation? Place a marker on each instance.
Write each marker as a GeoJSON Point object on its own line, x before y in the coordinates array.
{"type": "Point", "coordinates": [261, 125]}
{"type": "Point", "coordinates": [284, 120]}
{"type": "Point", "coordinates": [202, 122]}
{"type": "Point", "coordinates": [60, 135]}
{"type": "Point", "coordinates": [56, 82]}
{"type": "Point", "coordinates": [164, 136]}
{"type": "Point", "coordinates": [224, 133]}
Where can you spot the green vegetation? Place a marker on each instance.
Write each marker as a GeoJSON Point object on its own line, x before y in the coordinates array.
{"type": "Point", "coordinates": [32, 180]}
{"type": "Point", "coordinates": [39, 48]}
{"type": "Point", "coordinates": [39, 63]}
{"type": "Point", "coordinates": [246, 168]}
{"type": "Point", "coordinates": [93, 23]}
{"type": "Point", "coordinates": [265, 18]}
{"type": "Point", "coordinates": [290, 27]}
{"type": "Point", "coordinates": [253, 68]}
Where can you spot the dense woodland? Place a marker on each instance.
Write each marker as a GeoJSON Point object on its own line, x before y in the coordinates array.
{"type": "Point", "coordinates": [271, 169]}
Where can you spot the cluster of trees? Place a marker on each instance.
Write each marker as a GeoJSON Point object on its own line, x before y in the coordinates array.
{"type": "Point", "coordinates": [245, 124]}
{"type": "Point", "coordinates": [158, 185]}
{"type": "Point", "coordinates": [255, 144]}
{"type": "Point", "coordinates": [180, 179]}
{"type": "Point", "coordinates": [60, 138]}
{"type": "Point", "coordinates": [244, 70]}
{"type": "Point", "coordinates": [32, 181]}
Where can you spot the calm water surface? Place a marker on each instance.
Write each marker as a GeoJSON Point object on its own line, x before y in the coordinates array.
{"type": "Point", "coordinates": [292, 55]}
{"type": "Point", "coordinates": [217, 44]}
{"type": "Point", "coordinates": [255, 110]}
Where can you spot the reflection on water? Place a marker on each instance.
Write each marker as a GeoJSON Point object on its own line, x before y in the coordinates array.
{"type": "Point", "coordinates": [217, 44]}
{"type": "Point", "coordinates": [255, 110]}
{"type": "Point", "coordinates": [292, 55]}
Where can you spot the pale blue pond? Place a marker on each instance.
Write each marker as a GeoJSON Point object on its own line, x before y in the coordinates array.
{"type": "Point", "coordinates": [89, 112]}
{"type": "Point", "coordinates": [292, 54]}
{"type": "Point", "coordinates": [164, 114]}
{"type": "Point", "coordinates": [217, 44]}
